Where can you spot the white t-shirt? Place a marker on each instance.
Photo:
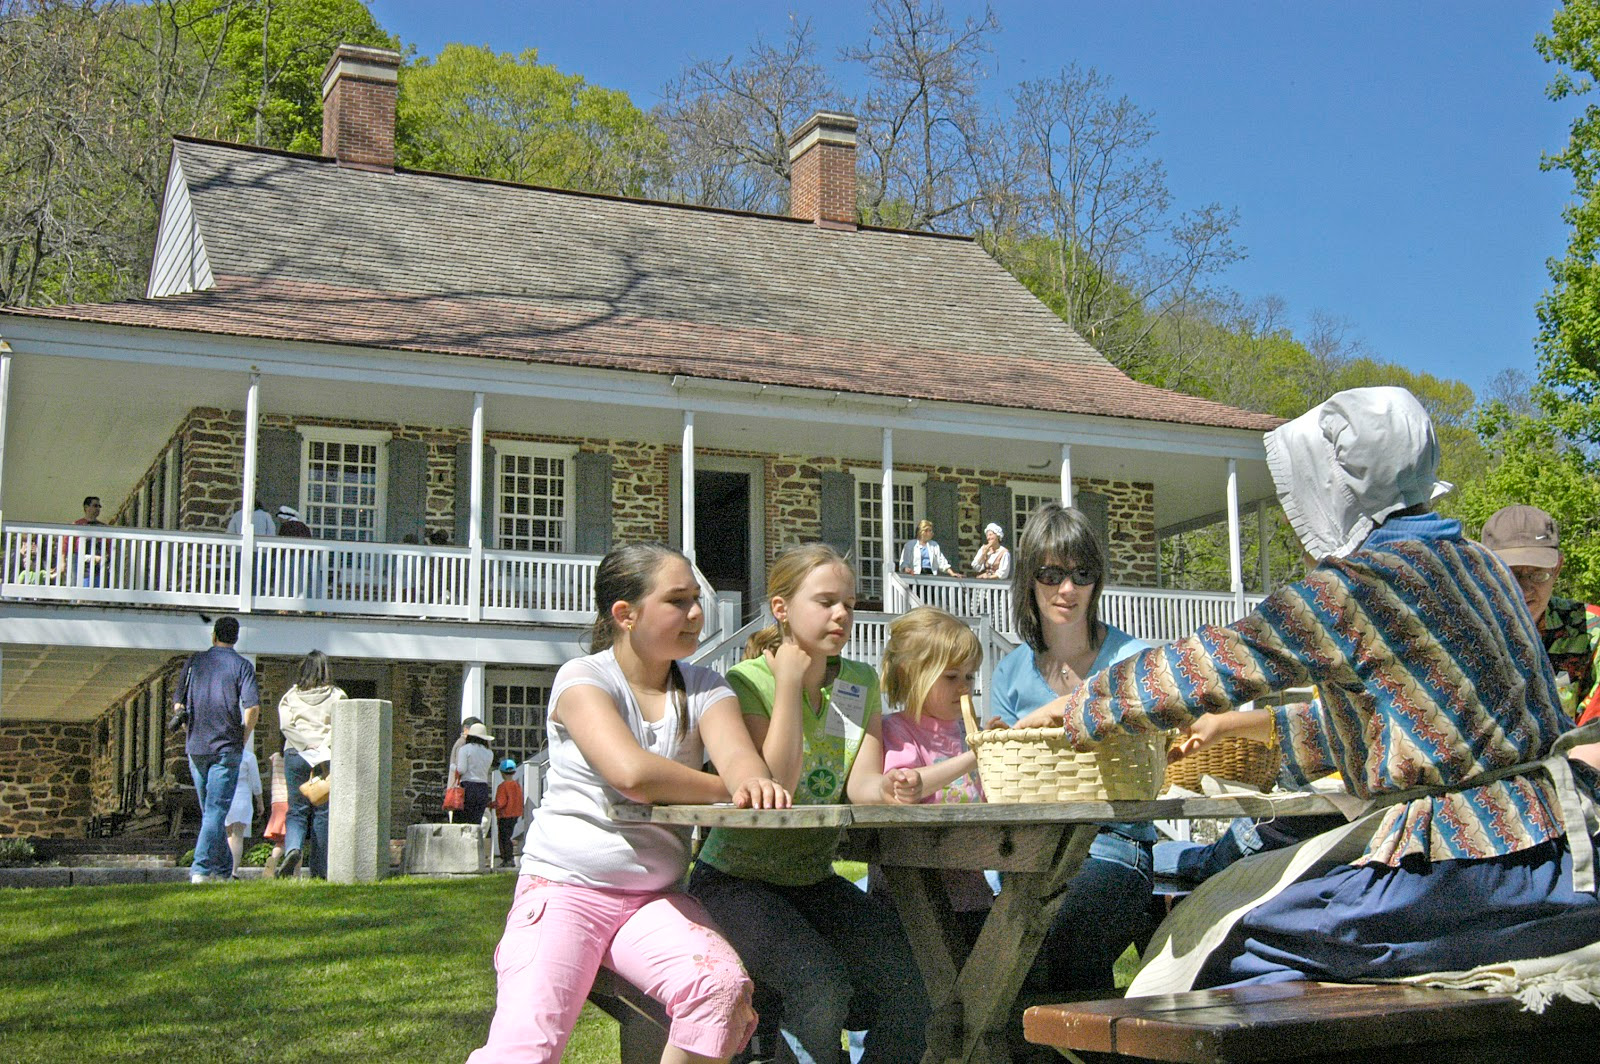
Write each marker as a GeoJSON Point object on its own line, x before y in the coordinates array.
{"type": "Point", "coordinates": [572, 838]}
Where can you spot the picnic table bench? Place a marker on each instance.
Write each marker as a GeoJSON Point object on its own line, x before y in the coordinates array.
{"type": "Point", "coordinates": [1039, 848]}
{"type": "Point", "coordinates": [1315, 1023]}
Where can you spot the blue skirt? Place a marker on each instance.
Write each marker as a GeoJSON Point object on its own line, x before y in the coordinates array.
{"type": "Point", "coordinates": [1378, 921]}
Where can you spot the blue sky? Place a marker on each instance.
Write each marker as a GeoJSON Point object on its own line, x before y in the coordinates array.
{"type": "Point", "coordinates": [1383, 156]}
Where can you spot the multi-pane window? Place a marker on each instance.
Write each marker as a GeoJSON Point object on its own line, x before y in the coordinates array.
{"type": "Point", "coordinates": [342, 487]}
{"type": "Point", "coordinates": [517, 706]}
{"type": "Point", "coordinates": [1025, 500]}
{"type": "Point", "coordinates": [869, 530]}
{"type": "Point", "coordinates": [532, 512]}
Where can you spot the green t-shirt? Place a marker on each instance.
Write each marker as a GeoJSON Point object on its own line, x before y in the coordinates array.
{"type": "Point", "coordinates": [800, 857]}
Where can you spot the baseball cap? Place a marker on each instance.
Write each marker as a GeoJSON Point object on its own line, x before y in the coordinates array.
{"type": "Point", "coordinates": [508, 765]}
{"type": "Point", "coordinates": [1523, 535]}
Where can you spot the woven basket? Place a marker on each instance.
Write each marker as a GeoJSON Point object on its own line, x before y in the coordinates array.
{"type": "Point", "coordinates": [1230, 758]}
{"type": "Point", "coordinates": [1039, 765]}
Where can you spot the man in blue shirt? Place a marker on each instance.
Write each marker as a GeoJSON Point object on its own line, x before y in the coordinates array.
{"type": "Point", "coordinates": [217, 695]}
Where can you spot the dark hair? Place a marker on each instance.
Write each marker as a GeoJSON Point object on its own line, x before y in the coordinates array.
{"type": "Point", "coordinates": [1054, 533]}
{"type": "Point", "coordinates": [87, 499]}
{"type": "Point", "coordinates": [314, 672]}
{"type": "Point", "coordinates": [467, 722]}
{"type": "Point", "coordinates": [226, 630]}
{"type": "Point", "coordinates": [478, 741]}
{"type": "Point", "coordinates": [627, 574]}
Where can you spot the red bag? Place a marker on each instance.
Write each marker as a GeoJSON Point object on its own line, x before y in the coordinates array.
{"type": "Point", "coordinates": [455, 799]}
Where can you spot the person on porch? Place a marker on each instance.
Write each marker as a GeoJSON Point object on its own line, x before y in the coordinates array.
{"type": "Point", "coordinates": [922, 555]}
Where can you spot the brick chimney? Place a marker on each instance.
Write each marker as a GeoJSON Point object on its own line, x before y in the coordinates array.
{"type": "Point", "coordinates": [822, 171]}
{"type": "Point", "coordinates": [359, 89]}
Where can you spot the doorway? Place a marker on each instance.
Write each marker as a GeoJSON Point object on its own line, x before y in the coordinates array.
{"type": "Point", "coordinates": [722, 531]}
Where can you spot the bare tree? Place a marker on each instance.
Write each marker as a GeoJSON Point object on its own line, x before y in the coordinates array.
{"type": "Point", "coordinates": [728, 122]}
{"type": "Point", "coordinates": [924, 138]}
{"type": "Point", "coordinates": [1117, 258]}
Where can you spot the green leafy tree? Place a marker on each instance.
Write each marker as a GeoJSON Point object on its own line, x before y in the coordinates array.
{"type": "Point", "coordinates": [475, 111]}
{"type": "Point", "coordinates": [271, 55]}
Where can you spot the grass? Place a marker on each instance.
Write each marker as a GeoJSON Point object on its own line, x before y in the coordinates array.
{"type": "Point", "coordinates": [264, 970]}
{"type": "Point", "coordinates": [286, 972]}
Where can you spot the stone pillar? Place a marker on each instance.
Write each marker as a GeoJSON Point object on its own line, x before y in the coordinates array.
{"type": "Point", "coordinates": [358, 803]}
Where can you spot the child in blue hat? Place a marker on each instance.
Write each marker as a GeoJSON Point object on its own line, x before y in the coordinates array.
{"type": "Point", "coordinates": [507, 808]}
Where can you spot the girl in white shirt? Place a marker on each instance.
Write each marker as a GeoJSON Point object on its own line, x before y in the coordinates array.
{"type": "Point", "coordinates": [628, 723]}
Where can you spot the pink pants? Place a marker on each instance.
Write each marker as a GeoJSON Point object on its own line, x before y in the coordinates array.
{"type": "Point", "coordinates": [558, 935]}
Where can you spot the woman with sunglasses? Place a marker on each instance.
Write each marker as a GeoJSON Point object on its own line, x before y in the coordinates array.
{"type": "Point", "coordinates": [1055, 596]}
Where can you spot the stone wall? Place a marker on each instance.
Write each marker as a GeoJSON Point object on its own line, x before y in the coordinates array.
{"type": "Point", "coordinates": [44, 779]}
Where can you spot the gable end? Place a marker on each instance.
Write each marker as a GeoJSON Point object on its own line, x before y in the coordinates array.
{"type": "Point", "coordinates": [180, 263]}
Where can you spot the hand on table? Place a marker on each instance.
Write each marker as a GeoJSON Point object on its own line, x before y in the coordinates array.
{"type": "Point", "coordinates": [902, 786]}
{"type": "Point", "coordinates": [759, 792]}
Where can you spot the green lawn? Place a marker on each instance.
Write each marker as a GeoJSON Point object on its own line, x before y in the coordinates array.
{"type": "Point", "coordinates": [258, 971]}
{"type": "Point", "coordinates": [263, 971]}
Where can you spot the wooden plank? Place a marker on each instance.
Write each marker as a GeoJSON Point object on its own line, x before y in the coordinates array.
{"type": "Point", "coordinates": [984, 814]}
{"type": "Point", "coordinates": [1006, 848]}
{"type": "Point", "coordinates": [1291, 1021]}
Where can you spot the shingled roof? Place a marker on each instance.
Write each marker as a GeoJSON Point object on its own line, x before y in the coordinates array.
{"type": "Point", "coordinates": [304, 249]}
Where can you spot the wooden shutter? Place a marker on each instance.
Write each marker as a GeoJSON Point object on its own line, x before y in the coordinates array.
{"type": "Point", "coordinates": [838, 511]}
{"type": "Point", "coordinates": [994, 507]}
{"type": "Point", "coordinates": [1094, 507]}
{"type": "Point", "coordinates": [406, 504]}
{"type": "Point", "coordinates": [591, 472]}
{"type": "Point", "coordinates": [463, 499]}
{"type": "Point", "coordinates": [278, 453]}
{"type": "Point", "coordinates": [939, 504]}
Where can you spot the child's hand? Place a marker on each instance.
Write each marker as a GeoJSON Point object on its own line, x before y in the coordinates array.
{"type": "Point", "coordinates": [788, 664]}
{"type": "Point", "coordinates": [1046, 716]}
{"type": "Point", "coordinates": [759, 792]}
{"type": "Point", "coordinates": [902, 786]}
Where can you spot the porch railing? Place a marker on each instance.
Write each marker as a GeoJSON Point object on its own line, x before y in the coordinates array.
{"type": "Point", "coordinates": [157, 567]}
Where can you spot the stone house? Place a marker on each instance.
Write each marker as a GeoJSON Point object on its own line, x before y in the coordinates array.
{"type": "Point", "coordinates": [470, 390]}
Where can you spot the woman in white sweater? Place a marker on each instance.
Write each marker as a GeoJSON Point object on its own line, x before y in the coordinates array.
{"type": "Point", "coordinates": [305, 714]}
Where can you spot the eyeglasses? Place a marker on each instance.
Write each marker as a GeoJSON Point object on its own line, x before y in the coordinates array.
{"type": "Point", "coordinates": [1534, 576]}
{"type": "Point", "coordinates": [1056, 575]}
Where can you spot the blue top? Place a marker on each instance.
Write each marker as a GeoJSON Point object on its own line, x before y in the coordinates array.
{"type": "Point", "coordinates": [1018, 689]}
{"type": "Point", "coordinates": [216, 686]}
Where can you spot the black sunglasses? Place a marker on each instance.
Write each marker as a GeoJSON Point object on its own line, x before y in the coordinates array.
{"type": "Point", "coordinates": [1056, 575]}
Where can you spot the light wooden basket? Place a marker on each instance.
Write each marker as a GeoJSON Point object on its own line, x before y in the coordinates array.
{"type": "Point", "coordinates": [1232, 758]}
{"type": "Point", "coordinates": [1039, 765]}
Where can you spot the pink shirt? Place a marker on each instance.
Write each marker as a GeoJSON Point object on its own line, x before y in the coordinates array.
{"type": "Point", "coordinates": [911, 743]}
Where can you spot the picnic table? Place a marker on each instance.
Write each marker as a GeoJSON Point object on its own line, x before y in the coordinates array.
{"type": "Point", "coordinates": [1038, 847]}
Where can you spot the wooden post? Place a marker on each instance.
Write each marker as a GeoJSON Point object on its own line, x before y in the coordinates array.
{"type": "Point", "coordinates": [1066, 474]}
{"type": "Point", "coordinates": [890, 562]}
{"type": "Point", "coordinates": [475, 521]}
{"type": "Point", "coordinates": [247, 504]}
{"type": "Point", "coordinates": [687, 458]}
{"type": "Point", "coordinates": [1235, 559]}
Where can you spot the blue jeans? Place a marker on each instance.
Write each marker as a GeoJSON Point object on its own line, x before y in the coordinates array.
{"type": "Point", "coordinates": [304, 818]}
{"type": "Point", "coordinates": [1105, 911]}
{"type": "Point", "coordinates": [215, 778]}
{"type": "Point", "coordinates": [835, 957]}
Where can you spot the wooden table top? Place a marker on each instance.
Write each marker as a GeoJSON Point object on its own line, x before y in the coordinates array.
{"type": "Point", "coordinates": [978, 814]}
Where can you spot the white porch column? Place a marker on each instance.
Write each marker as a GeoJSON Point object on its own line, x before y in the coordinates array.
{"type": "Point", "coordinates": [5, 405]}
{"type": "Point", "coordinates": [472, 691]}
{"type": "Point", "coordinates": [475, 521]}
{"type": "Point", "coordinates": [1263, 555]}
{"type": "Point", "coordinates": [1235, 561]}
{"type": "Point", "coordinates": [247, 503]}
{"type": "Point", "coordinates": [1066, 474]}
{"type": "Point", "coordinates": [886, 500]}
{"type": "Point", "coordinates": [688, 484]}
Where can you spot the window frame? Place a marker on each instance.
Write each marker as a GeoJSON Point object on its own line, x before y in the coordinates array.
{"type": "Point", "coordinates": [379, 440]}
{"type": "Point", "coordinates": [525, 678]}
{"type": "Point", "coordinates": [530, 449]}
{"type": "Point", "coordinates": [870, 582]}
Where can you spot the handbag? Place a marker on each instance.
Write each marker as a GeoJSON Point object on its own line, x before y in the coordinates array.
{"type": "Point", "coordinates": [455, 799]}
{"type": "Point", "coordinates": [315, 790]}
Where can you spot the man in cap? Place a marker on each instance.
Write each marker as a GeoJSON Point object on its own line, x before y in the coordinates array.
{"type": "Point", "coordinates": [216, 696]}
{"type": "Point", "coordinates": [1528, 541]}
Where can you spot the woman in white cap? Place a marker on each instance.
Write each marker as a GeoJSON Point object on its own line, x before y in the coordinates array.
{"type": "Point", "coordinates": [1436, 703]}
{"type": "Point", "coordinates": [993, 561]}
{"type": "Point", "coordinates": [473, 764]}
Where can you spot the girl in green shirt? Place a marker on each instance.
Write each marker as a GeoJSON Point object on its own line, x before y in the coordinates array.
{"type": "Point", "coordinates": [834, 956]}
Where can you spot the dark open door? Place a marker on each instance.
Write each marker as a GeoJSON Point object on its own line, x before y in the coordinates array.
{"type": "Point", "coordinates": [722, 530]}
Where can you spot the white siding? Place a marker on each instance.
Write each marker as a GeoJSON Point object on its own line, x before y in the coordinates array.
{"type": "Point", "coordinates": [180, 263]}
